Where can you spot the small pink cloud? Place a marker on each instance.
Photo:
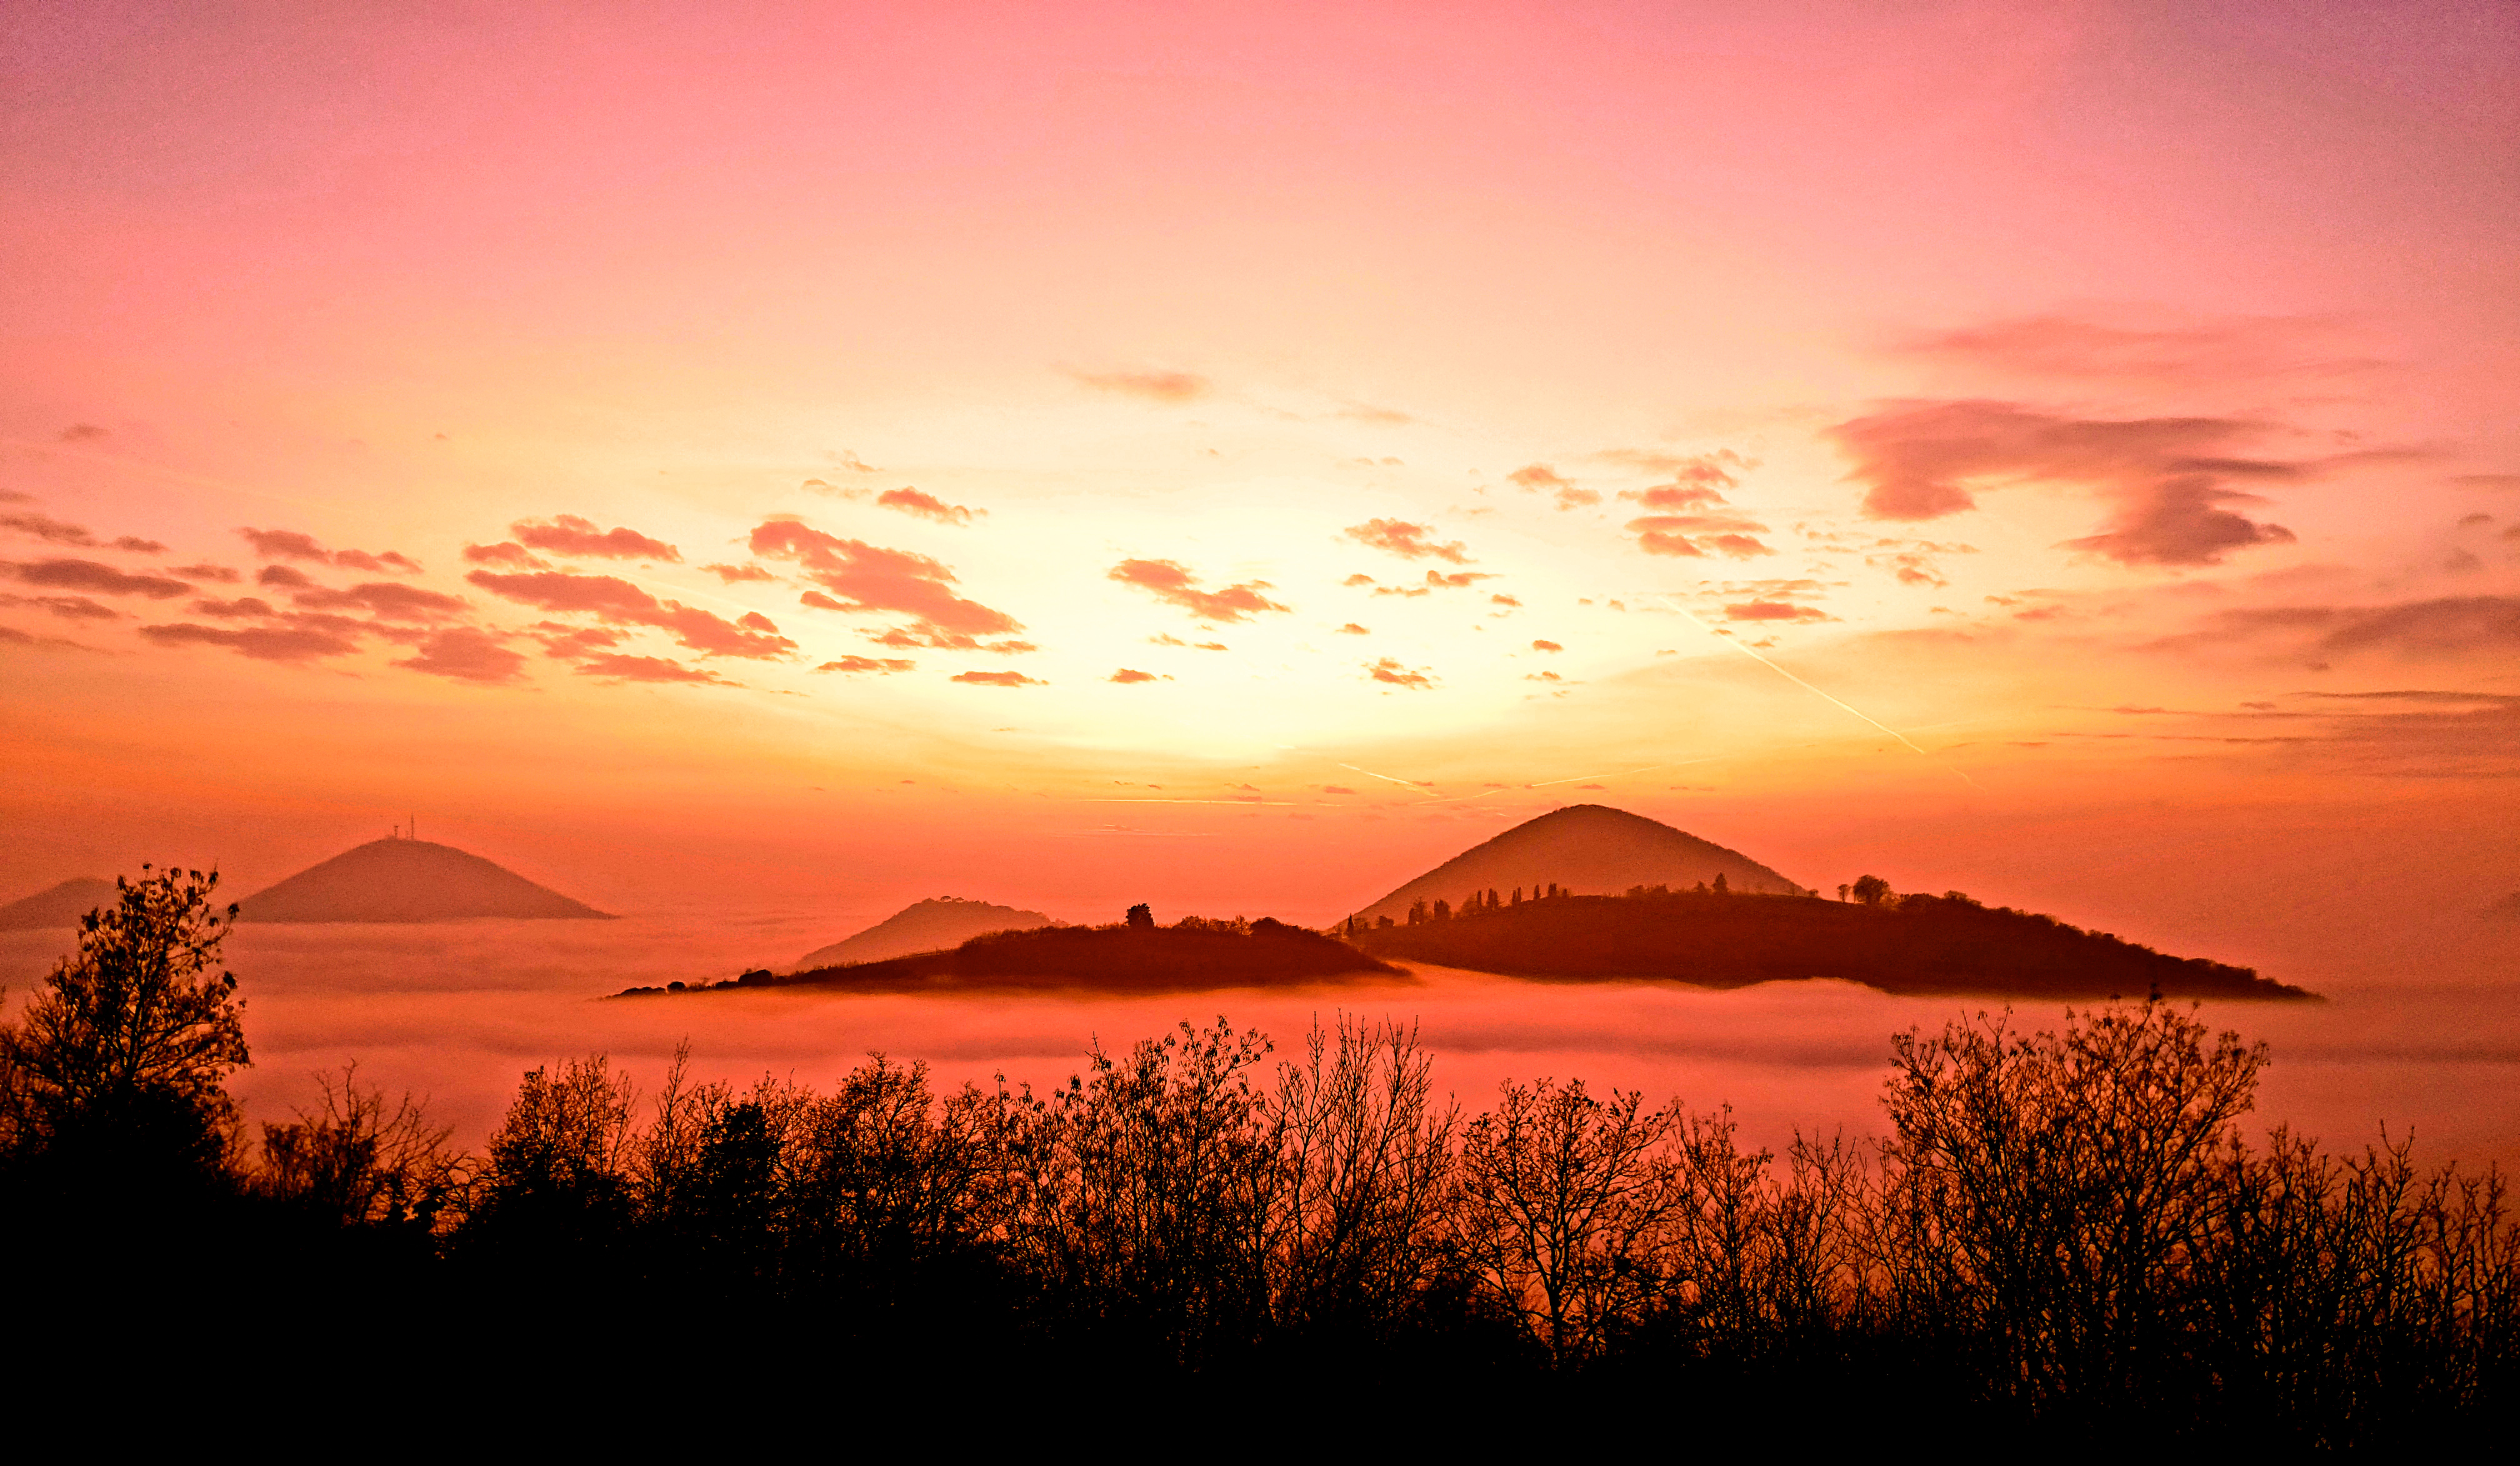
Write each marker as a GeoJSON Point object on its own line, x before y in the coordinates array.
{"type": "Point", "coordinates": [653, 669]}
{"type": "Point", "coordinates": [926, 506]}
{"type": "Point", "coordinates": [1406, 540]}
{"type": "Point", "coordinates": [467, 654]}
{"type": "Point", "coordinates": [568, 534]}
{"type": "Point", "coordinates": [1172, 582]}
{"type": "Point", "coordinates": [1388, 670]}
{"type": "Point", "coordinates": [1152, 386]}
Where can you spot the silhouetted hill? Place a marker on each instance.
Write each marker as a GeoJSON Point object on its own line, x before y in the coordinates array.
{"type": "Point", "coordinates": [62, 906]}
{"type": "Point", "coordinates": [410, 880]}
{"type": "Point", "coordinates": [932, 925]}
{"type": "Point", "coordinates": [1587, 848]}
{"type": "Point", "coordinates": [1915, 944]}
{"type": "Point", "coordinates": [1190, 957]}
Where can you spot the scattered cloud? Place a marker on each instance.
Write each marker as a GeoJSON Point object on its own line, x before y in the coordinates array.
{"type": "Point", "coordinates": [613, 600]}
{"type": "Point", "coordinates": [1504, 600]}
{"type": "Point", "coordinates": [386, 600]}
{"type": "Point", "coordinates": [1538, 646]}
{"type": "Point", "coordinates": [263, 643]}
{"type": "Point", "coordinates": [567, 642]}
{"type": "Point", "coordinates": [242, 607]}
{"type": "Point", "coordinates": [56, 532]}
{"type": "Point", "coordinates": [878, 664]}
{"type": "Point", "coordinates": [867, 577]}
{"type": "Point", "coordinates": [1389, 671]}
{"type": "Point", "coordinates": [90, 576]}
{"type": "Point", "coordinates": [1336, 790]}
{"type": "Point", "coordinates": [1132, 674]}
{"type": "Point", "coordinates": [1353, 630]}
{"type": "Point", "coordinates": [1698, 480]}
{"type": "Point", "coordinates": [2486, 480]}
{"type": "Point", "coordinates": [927, 505]}
{"type": "Point", "coordinates": [1774, 610]}
{"type": "Point", "coordinates": [465, 653]}
{"type": "Point", "coordinates": [2445, 626]}
{"type": "Point", "coordinates": [1436, 581]}
{"type": "Point", "coordinates": [283, 578]}
{"type": "Point", "coordinates": [67, 607]}
{"type": "Point", "coordinates": [1360, 578]}
{"type": "Point", "coordinates": [1379, 416]}
{"type": "Point", "coordinates": [738, 574]}
{"type": "Point", "coordinates": [1694, 535]}
{"type": "Point", "coordinates": [1408, 541]}
{"type": "Point", "coordinates": [995, 679]}
{"type": "Point", "coordinates": [1173, 583]}
{"type": "Point", "coordinates": [2170, 480]}
{"type": "Point", "coordinates": [512, 556]}
{"type": "Point", "coordinates": [82, 432]}
{"type": "Point", "coordinates": [657, 669]}
{"type": "Point", "coordinates": [570, 535]}
{"type": "Point", "coordinates": [11, 636]}
{"type": "Point", "coordinates": [1153, 386]}
{"type": "Point", "coordinates": [1534, 477]}
{"type": "Point", "coordinates": [848, 458]}
{"type": "Point", "coordinates": [292, 545]}
{"type": "Point", "coordinates": [219, 573]}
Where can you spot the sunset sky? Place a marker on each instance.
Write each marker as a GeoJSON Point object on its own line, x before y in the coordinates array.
{"type": "Point", "coordinates": [1054, 453]}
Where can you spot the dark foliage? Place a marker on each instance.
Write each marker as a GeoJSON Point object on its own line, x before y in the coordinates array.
{"type": "Point", "coordinates": [1192, 954]}
{"type": "Point", "coordinates": [2065, 1236]}
{"type": "Point", "coordinates": [1900, 944]}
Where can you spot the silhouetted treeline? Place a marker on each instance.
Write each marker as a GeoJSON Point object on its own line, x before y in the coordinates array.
{"type": "Point", "coordinates": [1713, 938]}
{"type": "Point", "coordinates": [1135, 955]}
{"type": "Point", "coordinates": [2065, 1235]}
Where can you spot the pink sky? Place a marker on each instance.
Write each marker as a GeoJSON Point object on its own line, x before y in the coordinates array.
{"type": "Point", "coordinates": [2098, 415]}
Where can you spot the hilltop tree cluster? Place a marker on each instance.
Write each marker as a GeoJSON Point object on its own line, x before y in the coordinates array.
{"type": "Point", "coordinates": [2062, 1231]}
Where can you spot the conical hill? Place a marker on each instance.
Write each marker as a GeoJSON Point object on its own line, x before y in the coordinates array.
{"type": "Point", "coordinates": [410, 880]}
{"type": "Point", "coordinates": [1588, 850]}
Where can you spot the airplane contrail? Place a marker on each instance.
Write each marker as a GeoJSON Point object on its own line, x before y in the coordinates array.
{"type": "Point", "coordinates": [1737, 644]}
{"type": "Point", "coordinates": [1412, 783]}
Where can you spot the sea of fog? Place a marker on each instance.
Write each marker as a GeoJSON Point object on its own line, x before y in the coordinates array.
{"type": "Point", "coordinates": [2421, 1034]}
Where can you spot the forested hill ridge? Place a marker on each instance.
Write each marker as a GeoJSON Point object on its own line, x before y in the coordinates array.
{"type": "Point", "coordinates": [1591, 848]}
{"type": "Point", "coordinates": [1919, 944]}
{"type": "Point", "coordinates": [930, 925]}
{"type": "Point", "coordinates": [1193, 954]}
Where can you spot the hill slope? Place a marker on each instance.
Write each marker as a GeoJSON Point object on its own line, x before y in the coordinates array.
{"type": "Point", "coordinates": [930, 925]}
{"type": "Point", "coordinates": [1586, 848]}
{"type": "Point", "coordinates": [62, 906]}
{"type": "Point", "coordinates": [1916, 943]}
{"type": "Point", "coordinates": [410, 880]}
{"type": "Point", "coordinates": [1190, 957]}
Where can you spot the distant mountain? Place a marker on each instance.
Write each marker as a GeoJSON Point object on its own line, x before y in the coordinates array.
{"type": "Point", "coordinates": [1909, 944]}
{"type": "Point", "coordinates": [1192, 956]}
{"type": "Point", "coordinates": [62, 906]}
{"type": "Point", "coordinates": [1589, 850]}
{"type": "Point", "coordinates": [932, 925]}
{"type": "Point", "coordinates": [410, 880]}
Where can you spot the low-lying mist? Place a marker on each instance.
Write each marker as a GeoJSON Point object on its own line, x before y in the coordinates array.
{"type": "Point", "coordinates": [458, 1011]}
